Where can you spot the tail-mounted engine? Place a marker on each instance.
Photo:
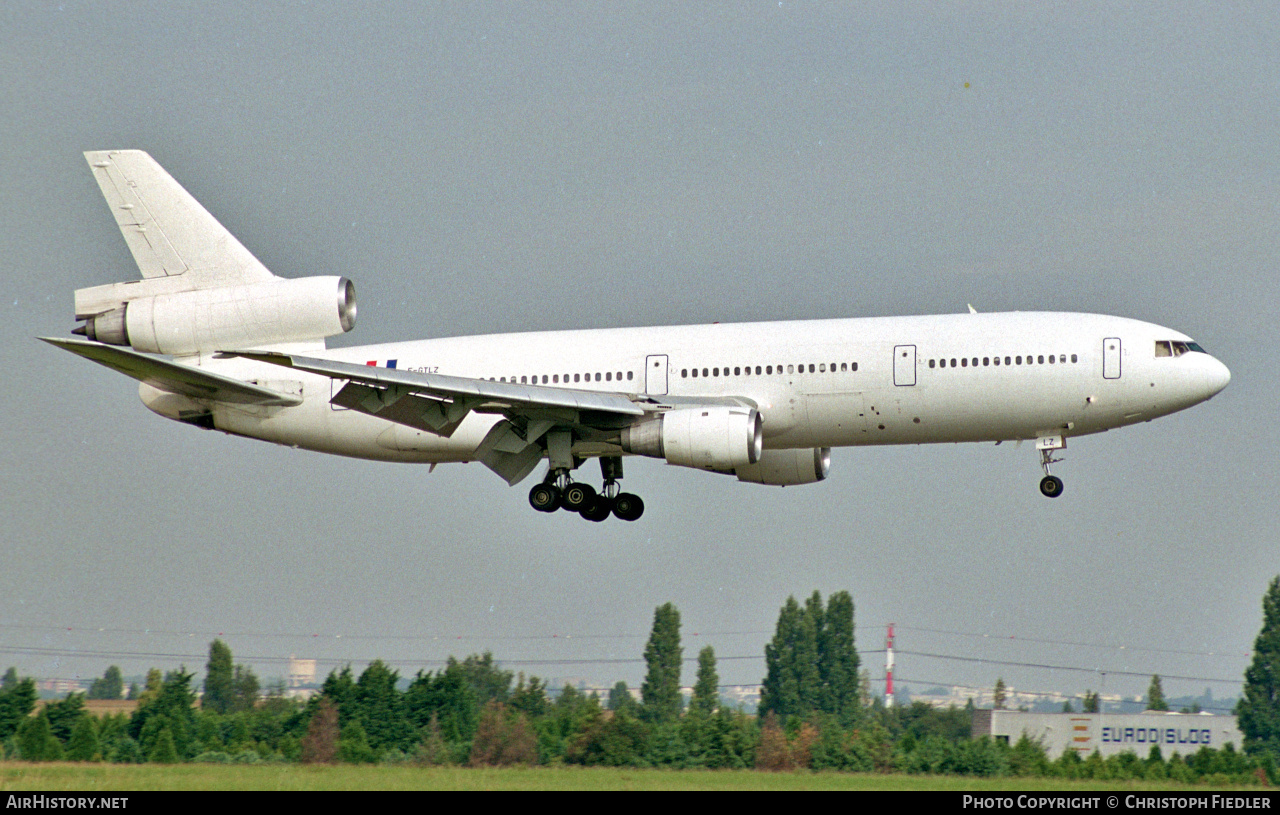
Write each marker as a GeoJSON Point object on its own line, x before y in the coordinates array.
{"type": "Point", "coordinates": [251, 315]}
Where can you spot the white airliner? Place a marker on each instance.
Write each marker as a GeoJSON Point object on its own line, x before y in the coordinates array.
{"type": "Point", "coordinates": [763, 401]}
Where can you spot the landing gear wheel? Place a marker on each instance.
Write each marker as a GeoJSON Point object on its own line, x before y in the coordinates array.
{"type": "Point", "coordinates": [544, 497]}
{"type": "Point", "coordinates": [578, 497]}
{"type": "Point", "coordinates": [1051, 486]}
{"type": "Point", "coordinates": [628, 507]}
{"type": "Point", "coordinates": [601, 507]}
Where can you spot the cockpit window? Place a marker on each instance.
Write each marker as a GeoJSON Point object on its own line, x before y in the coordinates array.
{"type": "Point", "coordinates": [1176, 348]}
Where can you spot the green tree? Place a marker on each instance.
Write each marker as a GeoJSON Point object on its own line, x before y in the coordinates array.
{"type": "Point", "coordinates": [353, 745]}
{"type": "Point", "coordinates": [244, 689]}
{"type": "Point", "coordinates": [811, 663]}
{"type": "Point", "coordinates": [660, 692]}
{"type": "Point", "coordinates": [486, 679]}
{"type": "Point", "coordinates": [164, 751]}
{"type": "Point", "coordinates": [706, 692]}
{"type": "Point", "coordinates": [1092, 702]}
{"type": "Point", "coordinates": [168, 707]}
{"type": "Point", "coordinates": [792, 683]}
{"type": "Point", "coordinates": [999, 695]}
{"type": "Point", "coordinates": [380, 708]}
{"type": "Point", "coordinates": [620, 698]}
{"type": "Point", "coordinates": [83, 744]}
{"type": "Point", "coordinates": [1258, 711]}
{"type": "Point", "coordinates": [64, 714]}
{"type": "Point", "coordinates": [531, 698]}
{"type": "Point", "coordinates": [109, 686]}
{"type": "Point", "coordinates": [219, 679]}
{"type": "Point", "coordinates": [1155, 695]}
{"type": "Point", "coordinates": [838, 659]}
{"type": "Point", "coordinates": [17, 700]}
{"type": "Point", "coordinates": [36, 741]}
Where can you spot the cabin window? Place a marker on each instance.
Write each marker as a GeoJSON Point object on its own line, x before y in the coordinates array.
{"type": "Point", "coordinates": [930, 363]}
{"type": "Point", "coordinates": [986, 361]}
{"type": "Point", "coordinates": [964, 363]}
{"type": "Point", "coordinates": [577, 377]}
{"type": "Point", "coordinates": [1073, 358]}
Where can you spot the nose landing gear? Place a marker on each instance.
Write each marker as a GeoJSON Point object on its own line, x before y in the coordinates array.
{"type": "Point", "coordinates": [1050, 485]}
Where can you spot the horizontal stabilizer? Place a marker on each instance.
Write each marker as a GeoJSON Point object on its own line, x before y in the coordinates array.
{"type": "Point", "coordinates": [174, 377]}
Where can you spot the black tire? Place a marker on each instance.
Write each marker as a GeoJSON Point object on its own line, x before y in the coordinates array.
{"type": "Point", "coordinates": [544, 497]}
{"type": "Point", "coordinates": [1051, 486]}
{"type": "Point", "coordinates": [628, 507]}
{"type": "Point", "coordinates": [600, 509]}
{"type": "Point", "coordinates": [578, 497]}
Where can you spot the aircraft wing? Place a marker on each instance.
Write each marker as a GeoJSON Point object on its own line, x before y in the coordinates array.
{"type": "Point", "coordinates": [175, 377]}
{"type": "Point", "coordinates": [436, 403]}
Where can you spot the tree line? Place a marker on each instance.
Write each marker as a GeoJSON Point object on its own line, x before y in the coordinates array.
{"type": "Point", "coordinates": [815, 712]}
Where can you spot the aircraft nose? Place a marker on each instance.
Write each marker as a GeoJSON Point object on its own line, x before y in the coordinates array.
{"type": "Point", "coordinates": [1217, 376]}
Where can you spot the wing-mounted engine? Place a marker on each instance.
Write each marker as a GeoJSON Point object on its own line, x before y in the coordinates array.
{"type": "Point", "coordinates": [718, 438]}
{"type": "Point", "coordinates": [787, 467]}
{"type": "Point", "coordinates": [251, 315]}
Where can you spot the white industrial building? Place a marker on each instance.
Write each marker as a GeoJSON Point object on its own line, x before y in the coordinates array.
{"type": "Point", "coordinates": [1111, 733]}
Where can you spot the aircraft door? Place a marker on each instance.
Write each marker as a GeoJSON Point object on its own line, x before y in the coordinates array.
{"type": "Point", "coordinates": [904, 365]}
{"type": "Point", "coordinates": [655, 374]}
{"type": "Point", "coordinates": [1111, 358]}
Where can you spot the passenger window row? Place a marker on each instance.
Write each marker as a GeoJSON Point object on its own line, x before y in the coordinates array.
{"type": "Point", "coordinates": [555, 379]}
{"type": "Point", "coordinates": [770, 370]}
{"type": "Point", "coordinates": [973, 362]}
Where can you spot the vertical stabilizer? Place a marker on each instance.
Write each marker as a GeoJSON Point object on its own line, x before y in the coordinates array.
{"type": "Point", "coordinates": [167, 230]}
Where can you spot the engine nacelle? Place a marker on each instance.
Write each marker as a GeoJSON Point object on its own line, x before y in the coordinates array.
{"type": "Point", "coordinates": [718, 438]}
{"type": "Point", "coordinates": [229, 317]}
{"type": "Point", "coordinates": [786, 467]}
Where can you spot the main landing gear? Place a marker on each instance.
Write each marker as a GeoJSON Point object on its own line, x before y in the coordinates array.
{"type": "Point", "coordinates": [558, 492]}
{"type": "Point", "coordinates": [1050, 485]}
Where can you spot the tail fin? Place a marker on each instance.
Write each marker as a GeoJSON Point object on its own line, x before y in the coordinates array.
{"type": "Point", "coordinates": [167, 230]}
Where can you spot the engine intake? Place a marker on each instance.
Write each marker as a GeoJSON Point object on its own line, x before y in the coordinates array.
{"type": "Point", "coordinates": [718, 438]}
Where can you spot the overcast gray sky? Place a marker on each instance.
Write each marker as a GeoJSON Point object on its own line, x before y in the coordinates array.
{"type": "Point", "coordinates": [492, 167]}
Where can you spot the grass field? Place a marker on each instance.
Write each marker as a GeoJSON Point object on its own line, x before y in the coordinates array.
{"type": "Point", "coordinates": [56, 777]}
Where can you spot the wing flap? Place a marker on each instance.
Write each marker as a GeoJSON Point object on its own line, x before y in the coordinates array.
{"type": "Point", "coordinates": [175, 377]}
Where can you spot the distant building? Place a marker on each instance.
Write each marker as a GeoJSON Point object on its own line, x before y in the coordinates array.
{"type": "Point", "coordinates": [301, 672]}
{"type": "Point", "coordinates": [1111, 733]}
{"type": "Point", "coordinates": [62, 687]}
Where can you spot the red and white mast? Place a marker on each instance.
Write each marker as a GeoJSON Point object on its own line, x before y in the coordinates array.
{"type": "Point", "coordinates": [888, 668]}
